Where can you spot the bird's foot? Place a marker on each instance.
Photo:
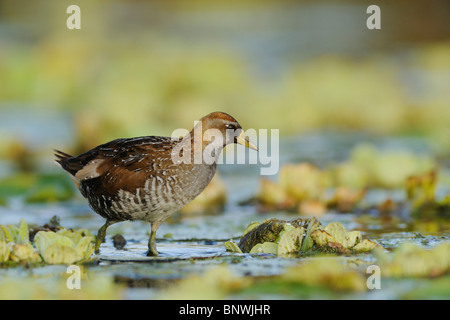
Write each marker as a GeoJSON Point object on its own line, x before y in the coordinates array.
{"type": "Point", "coordinates": [152, 252]}
{"type": "Point", "coordinates": [101, 236]}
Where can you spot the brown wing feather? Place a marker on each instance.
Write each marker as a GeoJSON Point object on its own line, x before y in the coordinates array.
{"type": "Point", "coordinates": [124, 151]}
{"type": "Point", "coordinates": [122, 164]}
{"type": "Point", "coordinates": [134, 162]}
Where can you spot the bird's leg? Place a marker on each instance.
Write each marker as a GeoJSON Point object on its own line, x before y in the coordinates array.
{"type": "Point", "coordinates": [152, 241]}
{"type": "Point", "coordinates": [101, 235]}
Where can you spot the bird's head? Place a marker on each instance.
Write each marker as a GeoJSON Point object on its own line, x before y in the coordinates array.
{"type": "Point", "coordinates": [220, 124]}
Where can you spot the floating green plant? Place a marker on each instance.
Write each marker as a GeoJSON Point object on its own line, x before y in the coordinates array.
{"type": "Point", "coordinates": [98, 287]}
{"type": "Point", "coordinates": [410, 260]}
{"type": "Point", "coordinates": [217, 283]}
{"type": "Point", "coordinates": [61, 247]}
{"type": "Point", "coordinates": [13, 234]}
{"type": "Point", "coordinates": [37, 187]}
{"type": "Point", "coordinates": [300, 187]}
{"type": "Point", "coordinates": [369, 167]}
{"type": "Point", "coordinates": [328, 273]}
{"type": "Point", "coordinates": [310, 190]}
{"type": "Point", "coordinates": [15, 245]}
{"type": "Point", "coordinates": [300, 236]}
{"type": "Point", "coordinates": [64, 246]}
{"type": "Point", "coordinates": [421, 192]}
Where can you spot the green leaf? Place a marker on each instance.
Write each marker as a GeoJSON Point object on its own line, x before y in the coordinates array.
{"type": "Point", "coordinates": [23, 232]}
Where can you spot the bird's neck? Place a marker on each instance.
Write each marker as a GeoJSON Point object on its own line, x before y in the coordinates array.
{"type": "Point", "coordinates": [194, 149]}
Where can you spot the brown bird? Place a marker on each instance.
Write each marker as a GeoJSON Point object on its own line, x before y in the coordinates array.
{"type": "Point", "coordinates": [150, 178]}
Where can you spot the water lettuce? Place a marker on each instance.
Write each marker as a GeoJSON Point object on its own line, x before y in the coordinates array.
{"type": "Point", "coordinates": [61, 247]}
{"type": "Point", "coordinates": [300, 236]}
{"type": "Point", "coordinates": [64, 246]}
{"type": "Point", "coordinates": [410, 260]}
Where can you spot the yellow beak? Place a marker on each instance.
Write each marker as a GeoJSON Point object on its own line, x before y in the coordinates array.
{"type": "Point", "coordinates": [245, 141]}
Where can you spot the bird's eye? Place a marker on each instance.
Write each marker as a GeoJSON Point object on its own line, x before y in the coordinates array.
{"type": "Point", "coordinates": [230, 126]}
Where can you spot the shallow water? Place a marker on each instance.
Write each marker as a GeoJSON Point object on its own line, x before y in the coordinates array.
{"type": "Point", "coordinates": [193, 245]}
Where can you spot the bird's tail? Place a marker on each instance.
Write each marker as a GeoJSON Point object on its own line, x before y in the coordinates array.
{"type": "Point", "coordinates": [60, 156]}
{"type": "Point", "coordinates": [60, 160]}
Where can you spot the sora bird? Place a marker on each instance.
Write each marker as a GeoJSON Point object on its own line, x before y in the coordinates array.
{"type": "Point", "coordinates": [150, 178]}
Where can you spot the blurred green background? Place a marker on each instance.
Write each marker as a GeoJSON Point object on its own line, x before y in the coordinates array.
{"type": "Point", "coordinates": [364, 120]}
{"type": "Point", "coordinates": [148, 67]}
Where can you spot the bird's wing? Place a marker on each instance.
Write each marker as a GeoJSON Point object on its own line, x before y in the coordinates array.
{"type": "Point", "coordinates": [121, 159]}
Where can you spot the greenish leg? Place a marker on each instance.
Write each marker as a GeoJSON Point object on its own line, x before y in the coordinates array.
{"type": "Point", "coordinates": [152, 241]}
{"type": "Point", "coordinates": [101, 234]}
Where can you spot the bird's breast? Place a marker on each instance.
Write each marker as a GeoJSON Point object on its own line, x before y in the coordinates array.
{"type": "Point", "coordinates": [161, 194]}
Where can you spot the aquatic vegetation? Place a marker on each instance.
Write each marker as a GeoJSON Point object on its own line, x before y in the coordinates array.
{"type": "Point", "coordinates": [229, 245]}
{"type": "Point", "coordinates": [322, 275]}
{"type": "Point", "coordinates": [216, 283]}
{"type": "Point", "coordinates": [50, 188]}
{"type": "Point", "coordinates": [410, 260]}
{"type": "Point", "coordinates": [335, 232]}
{"type": "Point", "coordinates": [14, 234]}
{"type": "Point", "coordinates": [5, 251]}
{"type": "Point", "coordinates": [302, 181]}
{"type": "Point", "coordinates": [372, 168]}
{"type": "Point", "coordinates": [169, 70]}
{"type": "Point", "coordinates": [345, 199]}
{"type": "Point", "coordinates": [272, 196]}
{"type": "Point", "coordinates": [24, 252]}
{"type": "Point", "coordinates": [64, 246]}
{"type": "Point", "coordinates": [191, 80]}
{"type": "Point", "coordinates": [98, 287]}
{"type": "Point", "coordinates": [268, 231]}
{"type": "Point", "coordinates": [15, 245]}
{"type": "Point", "coordinates": [314, 208]}
{"type": "Point", "coordinates": [300, 237]}
{"type": "Point", "coordinates": [300, 187]}
{"type": "Point", "coordinates": [17, 184]}
{"type": "Point", "coordinates": [421, 192]}
{"type": "Point", "coordinates": [435, 289]}
{"type": "Point", "coordinates": [61, 247]}
{"type": "Point", "coordinates": [289, 241]}
{"type": "Point", "coordinates": [312, 191]}
{"type": "Point", "coordinates": [326, 272]}
{"type": "Point", "coordinates": [37, 187]}
{"type": "Point", "coordinates": [53, 225]}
